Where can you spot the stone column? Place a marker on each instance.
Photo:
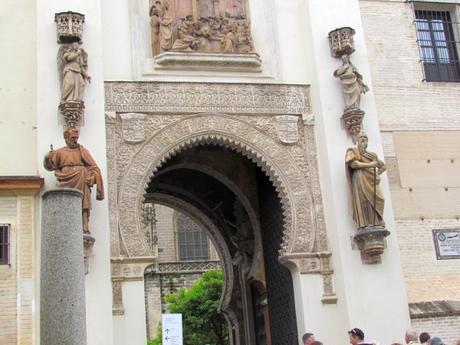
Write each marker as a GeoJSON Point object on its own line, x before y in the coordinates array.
{"type": "Point", "coordinates": [62, 285]}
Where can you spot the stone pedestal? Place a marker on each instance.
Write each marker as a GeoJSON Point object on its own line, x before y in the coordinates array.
{"type": "Point", "coordinates": [62, 286]}
{"type": "Point", "coordinates": [72, 112]}
{"type": "Point", "coordinates": [371, 243]}
{"type": "Point", "coordinates": [353, 121]}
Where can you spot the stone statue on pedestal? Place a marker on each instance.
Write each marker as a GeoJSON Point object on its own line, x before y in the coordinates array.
{"type": "Point", "coordinates": [363, 171]}
{"type": "Point", "coordinates": [74, 167]}
{"type": "Point", "coordinates": [72, 64]}
{"type": "Point", "coordinates": [352, 84]}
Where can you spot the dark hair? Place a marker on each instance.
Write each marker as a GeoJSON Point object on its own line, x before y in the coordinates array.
{"type": "Point", "coordinates": [424, 337]}
{"type": "Point", "coordinates": [356, 332]}
{"type": "Point", "coordinates": [306, 336]}
{"type": "Point", "coordinates": [316, 343]}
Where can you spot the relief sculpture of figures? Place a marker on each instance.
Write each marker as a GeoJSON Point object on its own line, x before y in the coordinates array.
{"type": "Point", "coordinates": [363, 173]}
{"type": "Point", "coordinates": [215, 26]}
{"type": "Point", "coordinates": [165, 32]}
{"type": "Point", "coordinates": [74, 167]}
{"type": "Point", "coordinates": [352, 83]}
{"type": "Point", "coordinates": [155, 27]}
{"type": "Point", "coordinates": [73, 64]}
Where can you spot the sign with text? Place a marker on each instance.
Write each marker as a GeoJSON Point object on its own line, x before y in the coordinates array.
{"type": "Point", "coordinates": [172, 329]}
{"type": "Point", "coordinates": [447, 243]}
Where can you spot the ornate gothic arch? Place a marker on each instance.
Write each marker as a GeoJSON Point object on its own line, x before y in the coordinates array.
{"type": "Point", "coordinates": [234, 133]}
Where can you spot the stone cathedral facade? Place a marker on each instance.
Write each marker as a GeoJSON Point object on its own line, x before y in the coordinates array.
{"type": "Point", "coordinates": [310, 149]}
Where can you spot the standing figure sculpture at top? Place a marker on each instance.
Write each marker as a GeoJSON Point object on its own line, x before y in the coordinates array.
{"type": "Point", "coordinates": [363, 172]}
{"type": "Point", "coordinates": [74, 167]}
{"type": "Point", "coordinates": [352, 83]}
{"type": "Point", "coordinates": [73, 64]}
{"type": "Point", "coordinates": [165, 32]}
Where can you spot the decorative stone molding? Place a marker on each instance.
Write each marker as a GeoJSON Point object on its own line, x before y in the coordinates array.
{"type": "Point", "coordinates": [353, 120]}
{"type": "Point", "coordinates": [69, 26]}
{"type": "Point", "coordinates": [287, 128]}
{"type": "Point", "coordinates": [433, 309]}
{"type": "Point", "coordinates": [189, 98]}
{"type": "Point", "coordinates": [130, 268]}
{"type": "Point", "coordinates": [133, 127]}
{"type": "Point", "coordinates": [313, 263]}
{"type": "Point", "coordinates": [187, 267]}
{"type": "Point", "coordinates": [208, 62]}
{"type": "Point", "coordinates": [72, 113]}
{"type": "Point", "coordinates": [341, 41]}
{"type": "Point", "coordinates": [371, 243]}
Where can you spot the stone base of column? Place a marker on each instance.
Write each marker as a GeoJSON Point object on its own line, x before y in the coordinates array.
{"type": "Point", "coordinates": [371, 243]}
{"type": "Point", "coordinates": [62, 285]}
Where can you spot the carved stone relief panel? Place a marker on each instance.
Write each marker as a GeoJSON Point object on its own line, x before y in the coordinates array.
{"type": "Point", "coordinates": [133, 127]}
{"type": "Point", "coordinates": [215, 26]}
{"type": "Point", "coordinates": [255, 120]}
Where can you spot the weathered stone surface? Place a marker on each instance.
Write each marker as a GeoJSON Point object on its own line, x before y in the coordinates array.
{"type": "Point", "coordinates": [62, 288]}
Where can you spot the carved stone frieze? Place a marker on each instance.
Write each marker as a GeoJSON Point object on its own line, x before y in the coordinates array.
{"type": "Point", "coordinates": [130, 268]}
{"type": "Point", "coordinates": [189, 98]}
{"type": "Point", "coordinates": [287, 128]}
{"type": "Point", "coordinates": [133, 127]}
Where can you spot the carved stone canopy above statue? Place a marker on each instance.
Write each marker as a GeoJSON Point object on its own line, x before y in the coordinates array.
{"type": "Point", "coordinates": [187, 27]}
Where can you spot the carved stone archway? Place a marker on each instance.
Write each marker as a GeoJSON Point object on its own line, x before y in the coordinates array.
{"type": "Point", "coordinates": [229, 131]}
{"type": "Point", "coordinates": [271, 125]}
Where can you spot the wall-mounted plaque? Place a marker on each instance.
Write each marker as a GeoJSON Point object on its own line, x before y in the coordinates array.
{"type": "Point", "coordinates": [447, 243]}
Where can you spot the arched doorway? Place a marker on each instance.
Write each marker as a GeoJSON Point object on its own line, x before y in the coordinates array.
{"type": "Point", "coordinates": [267, 126]}
{"type": "Point", "coordinates": [240, 208]}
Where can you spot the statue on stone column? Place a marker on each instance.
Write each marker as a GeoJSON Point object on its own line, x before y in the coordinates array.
{"type": "Point", "coordinates": [72, 64]}
{"type": "Point", "coordinates": [74, 167]}
{"type": "Point", "coordinates": [363, 172]}
{"type": "Point", "coordinates": [352, 83]}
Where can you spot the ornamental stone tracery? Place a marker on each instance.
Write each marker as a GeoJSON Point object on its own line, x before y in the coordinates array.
{"type": "Point", "coordinates": [242, 117]}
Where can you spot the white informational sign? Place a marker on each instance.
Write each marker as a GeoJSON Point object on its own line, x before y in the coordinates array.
{"type": "Point", "coordinates": [172, 329]}
{"type": "Point", "coordinates": [447, 243]}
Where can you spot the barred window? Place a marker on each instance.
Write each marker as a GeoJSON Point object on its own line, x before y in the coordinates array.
{"type": "Point", "coordinates": [192, 240]}
{"type": "Point", "coordinates": [438, 36]}
{"type": "Point", "coordinates": [4, 244]}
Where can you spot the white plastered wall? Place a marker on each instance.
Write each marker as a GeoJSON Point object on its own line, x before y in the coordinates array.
{"type": "Point", "coordinates": [17, 88]}
{"type": "Point", "coordinates": [92, 136]}
{"type": "Point", "coordinates": [130, 328]}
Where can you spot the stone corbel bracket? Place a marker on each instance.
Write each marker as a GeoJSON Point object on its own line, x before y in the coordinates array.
{"type": "Point", "coordinates": [314, 263]}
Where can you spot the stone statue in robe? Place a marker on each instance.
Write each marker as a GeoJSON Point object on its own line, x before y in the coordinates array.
{"type": "Point", "coordinates": [72, 65]}
{"type": "Point", "coordinates": [155, 28]}
{"type": "Point", "coordinates": [165, 32]}
{"type": "Point", "coordinates": [363, 173]}
{"type": "Point", "coordinates": [352, 84]}
{"type": "Point", "coordinates": [74, 167]}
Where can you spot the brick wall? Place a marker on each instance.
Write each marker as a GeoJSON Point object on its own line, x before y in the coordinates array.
{"type": "Point", "coordinates": [17, 280]}
{"type": "Point", "coordinates": [404, 100]}
{"type": "Point", "coordinates": [421, 150]}
{"type": "Point", "coordinates": [447, 328]}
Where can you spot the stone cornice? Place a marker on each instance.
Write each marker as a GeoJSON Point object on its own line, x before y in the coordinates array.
{"type": "Point", "coordinates": [21, 183]}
